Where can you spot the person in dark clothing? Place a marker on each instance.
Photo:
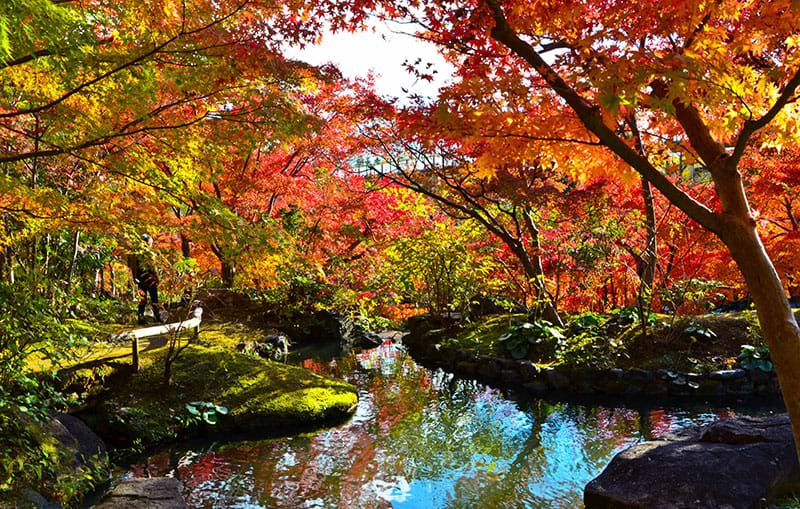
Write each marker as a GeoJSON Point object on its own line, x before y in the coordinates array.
{"type": "Point", "coordinates": [142, 267]}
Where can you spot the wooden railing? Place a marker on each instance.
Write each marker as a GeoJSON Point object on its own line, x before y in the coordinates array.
{"type": "Point", "coordinates": [192, 324]}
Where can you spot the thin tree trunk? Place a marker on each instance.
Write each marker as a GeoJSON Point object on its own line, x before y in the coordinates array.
{"type": "Point", "coordinates": [73, 259]}
{"type": "Point", "coordinates": [112, 280]}
{"type": "Point", "coordinates": [532, 264]}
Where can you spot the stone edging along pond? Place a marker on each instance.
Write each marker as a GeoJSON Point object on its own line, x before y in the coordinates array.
{"type": "Point", "coordinates": [511, 373]}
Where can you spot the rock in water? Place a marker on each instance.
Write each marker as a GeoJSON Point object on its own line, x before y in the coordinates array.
{"type": "Point", "coordinates": [155, 493]}
{"type": "Point", "coordinates": [730, 464]}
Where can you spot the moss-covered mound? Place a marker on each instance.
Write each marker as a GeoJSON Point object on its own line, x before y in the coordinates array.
{"type": "Point", "coordinates": [692, 343]}
{"type": "Point", "coordinates": [258, 394]}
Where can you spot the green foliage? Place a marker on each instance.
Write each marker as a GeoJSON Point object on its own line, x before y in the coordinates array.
{"type": "Point", "coordinates": [755, 357]}
{"type": "Point", "coordinates": [32, 458]}
{"type": "Point", "coordinates": [588, 342]}
{"type": "Point", "coordinates": [203, 411]}
{"type": "Point", "coordinates": [539, 339]}
{"type": "Point", "coordinates": [630, 314]}
{"type": "Point", "coordinates": [442, 268]}
{"type": "Point", "coordinates": [690, 294]}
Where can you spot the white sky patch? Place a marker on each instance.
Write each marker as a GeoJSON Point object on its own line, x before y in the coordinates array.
{"type": "Point", "coordinates": [382, 52]}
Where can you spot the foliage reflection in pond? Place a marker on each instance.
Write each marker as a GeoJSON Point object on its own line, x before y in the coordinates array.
{"type": "Point", "coordinates": [421, 439]}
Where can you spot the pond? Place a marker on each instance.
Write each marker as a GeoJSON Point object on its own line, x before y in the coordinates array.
{"type": "Point", "coordinates": [421, 439]}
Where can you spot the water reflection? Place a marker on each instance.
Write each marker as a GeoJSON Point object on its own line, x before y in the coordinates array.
{"type": "Point", "coordinates": [420, 439]}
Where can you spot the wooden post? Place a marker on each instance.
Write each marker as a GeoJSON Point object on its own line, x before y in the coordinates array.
{"type": "Point", "coordinates": [135, 347]}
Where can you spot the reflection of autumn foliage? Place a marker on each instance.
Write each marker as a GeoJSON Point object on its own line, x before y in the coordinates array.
{"type": "Point", "coordinates": [419, 434]}
{"type": "Point", "coordinates": [314, 365]}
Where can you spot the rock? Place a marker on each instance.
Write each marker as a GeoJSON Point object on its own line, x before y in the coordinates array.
{"type": "Point", "coordinates": [758, 376]}
{"type": "Point", "coordinates": [733, 463]}
{"type": "Point", "coordinates": [34, 500]}
{"type": "Point", "coordinates": [528, 370]}
{"type": "Point", "coordinates": [557, 380]}
{"type": "Point", "coordinates": [367, 340]}
{"type": "Point", "coordinates": [328, 326]}
{"type": "Point", "coordinates": [155, 493]}
{"type": "Point", "coordinates": [466, 368]}
{"type": "Point", "coordinates": [727, 374]}
{"type": "Point", "coordinates": [274, 346]}
{"type": "Point", "coordinates": [481, 305]}
{"type": "Point", "coordinates": [88, 447]}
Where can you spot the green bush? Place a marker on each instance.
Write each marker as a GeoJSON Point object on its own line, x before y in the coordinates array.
{"type": "Point", "coordinates": [538, 340]}
{"type": "Point", "coordinates": [34, 340]}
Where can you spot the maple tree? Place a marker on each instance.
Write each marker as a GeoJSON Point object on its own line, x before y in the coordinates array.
{"type": "Point", "coordinates": [709, 80]}
{"type": "Point", "coordinates": [416, 154]}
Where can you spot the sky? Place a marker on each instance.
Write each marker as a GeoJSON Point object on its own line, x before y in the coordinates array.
{"type": "Point", "coordinates": [383, 52]}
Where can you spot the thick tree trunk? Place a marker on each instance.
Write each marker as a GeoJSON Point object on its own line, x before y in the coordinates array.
{"type": "Point", "coordinates": [777, 321]}
{"type": "Point", "coordinates": [227, 269]}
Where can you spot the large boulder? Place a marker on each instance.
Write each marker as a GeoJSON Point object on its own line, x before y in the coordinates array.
{"type": "Point", "coordinates": [86, 450]}
{"type": "Point", "coordinates": [319, 327]}
{"type": "Point", "coordinates": [730, 464]}
{"type": "Point", "coordinates": [87, 447]}
{"type": "Point", "coordinates": [154, 493]}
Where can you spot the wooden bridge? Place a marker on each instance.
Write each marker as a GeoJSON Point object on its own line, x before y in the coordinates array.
{"type": "Point", "coordinates": [190, 324]}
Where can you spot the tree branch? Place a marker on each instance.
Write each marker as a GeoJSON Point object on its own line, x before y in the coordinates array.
{"type": "Point", "coordinates": [591, 118]}
{"type": "Point", "coordinates": [751, 126]}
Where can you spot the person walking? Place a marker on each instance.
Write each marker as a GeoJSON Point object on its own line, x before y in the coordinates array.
{"type": "Point", "coordinates": [143, 268]}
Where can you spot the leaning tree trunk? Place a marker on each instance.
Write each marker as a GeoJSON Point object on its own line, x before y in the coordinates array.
{"type": "Point", "coordinates": [532, 265]}
{"type": "Point", "coordinates": [777, 321]}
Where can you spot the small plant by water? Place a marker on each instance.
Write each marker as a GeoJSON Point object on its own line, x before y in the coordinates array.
{"type": "Point", "coordinates": [203, 412]}
{"type": "Point", "coordinates": [755, 357]}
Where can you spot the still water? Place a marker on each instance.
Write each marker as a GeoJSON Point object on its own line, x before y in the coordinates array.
{"type": "Point", "coordinates": [420, 439]}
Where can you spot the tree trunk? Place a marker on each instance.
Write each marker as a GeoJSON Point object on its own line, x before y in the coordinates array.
{"type": "Point", "coordinates": [73, 259]}
{"type": "Point", "coordinates": [532, 264]}
{"type": "Point", "coordinates": [227, 269]}
{"type": "Point", "coordinates": [777, 321]}
{"type": "Point", "coordinates": [650, 254]}
{"type": "Point", "coordinates": [227, 272]}
{"type": "Point", "coordinates": [186, 247]}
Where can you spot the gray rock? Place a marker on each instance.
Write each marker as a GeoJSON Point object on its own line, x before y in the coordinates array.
{"type": "Point", "coordinates": [87, 445]}
{"type": "Point", "coordinates": [536, 387]}
{"type": "Point", "coordinates": [528, 370]}
{"type": "Point", "coordinates": [466, 368]}
{"type": "Point", "coordinates": [86, 448]}
{"type": "Point", "coordinates": [367, 340]}
{"type": "Point", "coordinates": [155, 493]}
{"type": "Point", "coordinates": [510, 377]}
{"type": "Point", "coordinates": [727, 374]}
{"type": "Point", "coordinates": [730, 464]}
{"type": "Point", "coordinates": [33, 500]}
{"type": "Point", "coordinates": [757, 376]}
{"type": "Point", "coordinates": [639, 375]}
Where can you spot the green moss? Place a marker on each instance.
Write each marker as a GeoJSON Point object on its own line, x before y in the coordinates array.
{"type": "Point", "coordinates": [259, 394]}
{"type": "Point", "coordinates": [480, 337]}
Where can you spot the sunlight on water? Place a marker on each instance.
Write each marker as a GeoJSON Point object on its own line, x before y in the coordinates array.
{"type": "Point", "coordinates": [420, 439]}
